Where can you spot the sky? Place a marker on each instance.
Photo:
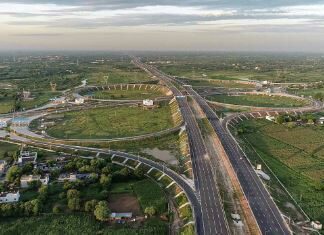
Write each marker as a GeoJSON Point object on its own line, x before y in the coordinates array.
{"type": "Point", "coordinates": [212, 25]}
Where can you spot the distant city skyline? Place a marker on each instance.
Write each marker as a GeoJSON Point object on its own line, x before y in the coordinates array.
{"type": "Point", "coordinates": [250, 25]}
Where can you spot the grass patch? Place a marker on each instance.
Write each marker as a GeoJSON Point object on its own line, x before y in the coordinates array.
{"type": "Point", "coordinates": [258, 100]}
{"type": "Point", "coordinates": [150, 194]}
{"type": "Point", "coordinates": [112, 122]}
{"type": "Point", "coordinates": [127, 94]}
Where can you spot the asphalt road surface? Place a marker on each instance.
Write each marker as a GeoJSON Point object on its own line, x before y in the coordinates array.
{"type": "Point", "coordinates": [264, 209]}
{"type": "Point", "coordinates": [212, 219]}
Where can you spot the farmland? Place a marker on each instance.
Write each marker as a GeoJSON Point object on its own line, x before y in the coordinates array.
{"type": "Point", "coordinates": [295, 155]}
{"type": "Point", "coordinates": [236, 66]}
{"type": "Point", "coordinates": [258, 100]}
{"type": "Point", "coordinates": [37, 75]}
{"type": "Point", "coordinates": [112, 122]}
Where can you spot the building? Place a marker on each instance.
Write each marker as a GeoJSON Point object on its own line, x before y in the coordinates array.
{"type": "Point", "coordinates": [321, 120]}
{"type": "Point", "coordinates": [316, 225]}
{"type": "Point", "coordinates": [3, 123]}
{"type": "Point", "coordinates": [6, 197]}
{"type": "Point", "coordinates": [59, 100]}
{"type": "Point", "coordinates": [67, 177]}
{"type": "Point", "coordinates": [148, 102]}
{"type": "Point", "coordinates": [3, 165]}
{"type": "Point", "coordinates": [45, 167]}
{"type": "Point", "coordinates": [79, 100]}
{"type": "Point", "coordinates": [26, 157]}
{"type": "Point", "coordinates": [26, 179]}
{"type": "Point", "coordinates": [121, 216]}
{"type": "Point", "coordinates": [84, 176]}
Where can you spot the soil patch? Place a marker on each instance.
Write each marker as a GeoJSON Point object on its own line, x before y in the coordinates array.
{"type": "Point", "coordinates": [124, 203]}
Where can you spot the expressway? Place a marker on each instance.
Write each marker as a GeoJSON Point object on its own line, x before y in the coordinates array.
{"type": "Point", "coordinates": [264, 209]}
{"type": "Point", "coordinates": [213, 215]}
{"type": "Point", "coordinates": [266, 212]}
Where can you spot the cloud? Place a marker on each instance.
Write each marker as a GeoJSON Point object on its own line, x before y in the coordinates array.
{"type": "Point", "coordinates": [37, 34]}
{"type": "Point", "coordinates": [44, 18]}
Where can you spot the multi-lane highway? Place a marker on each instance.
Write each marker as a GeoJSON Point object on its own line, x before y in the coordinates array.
{"type": "Point", "coordinates": [266, 212]}
{"type": "Point", "coordinates": [264, 209]}
{"type": "Point", "coordinates": [213, 219]}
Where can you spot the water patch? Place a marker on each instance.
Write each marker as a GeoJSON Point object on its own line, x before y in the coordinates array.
{"type": "Point", "coordinates": [163, 155]}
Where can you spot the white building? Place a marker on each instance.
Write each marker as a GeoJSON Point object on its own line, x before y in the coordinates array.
{"type": "Point", "coordinates": [26, 157]}
{"type": "Point", "coordinates": [79, 100]}
{"type": "Point", "coordinates": [26, 179]}
{"type": "Point", "coordinates": [148, 102]}
{"type": "Point", "coordinates": [9, 197]}
{"type": "Point", "coordinates": [3, 164]}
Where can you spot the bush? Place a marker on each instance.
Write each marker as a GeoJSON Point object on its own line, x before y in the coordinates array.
{"type": "Point", "coordinates": [150, 211]}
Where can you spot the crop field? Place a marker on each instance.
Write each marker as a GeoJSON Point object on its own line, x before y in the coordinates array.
{"type": "Point", "coordinates": [130, 94]}
{"type": "Point", "coordinates": [112, 122]}
{"type": "Point", "coordinates": [78, 223]}
{"type": "Point", "coordinates": [258, 100]}
{"type": "Point", "coordinates": [296, 157]}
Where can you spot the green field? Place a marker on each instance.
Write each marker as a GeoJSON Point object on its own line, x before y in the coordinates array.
{"type": "Point", "coordinates": [74, 224]}
{"type": "Point", "coordinates": [232, 66]}
{"type": "Point", "coordinates": [150, 194]}
{"type": "Point", "coordinates": [295, 155]}
{"type": "Point", "coordinates": [39, 98]}
{"type": "Point", "coordinates": [6, 147]}
{"type": "Point", "coordinates": [115, 73]}
{"type": "Point", "coordinates": [307, 92]}
{"type": "Point", "coordinates": [258, 100]}
{"type": "Point", "coordinates": [218, 83]}
{"type": "Point", "coordinates": [127, 95]}
{"type": "Point", "coordinates": [112, 122]}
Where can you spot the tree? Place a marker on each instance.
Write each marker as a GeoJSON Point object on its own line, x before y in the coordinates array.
{"type": "Point", "coordinates": [43, 193]}
{"type": "Point", "coordinates": [101, 211]}
{"type": "Point", "coordinates": [56, 209]}
{"type": "Point", "coordinates": [13, 173]}
{"type": "Point", "coordinates": [90, 206]}
{"type": "Point", "coordinates": [150, 210]}
{"type": "Point", "coordinates": [105, 180]}
{"type": "Point", "coordinates": [72, 193]}
{"type": "Point", "coordinates": [106, 170]}
{"type": "Point", "coordinates": [280, 119]}
{"type": "Point", "coordinates": [93, 177]}
{"type": "Point", "coordinates": [74, 204]}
